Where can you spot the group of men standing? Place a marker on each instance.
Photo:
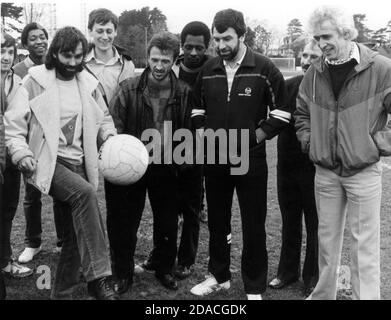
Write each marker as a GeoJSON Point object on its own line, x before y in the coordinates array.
{"type": "Point", "coordinates": [80, 95]}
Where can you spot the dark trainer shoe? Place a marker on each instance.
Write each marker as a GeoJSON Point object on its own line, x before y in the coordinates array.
{"type": "Point", "coordinates": [101, 289]}
{"type": "Point", "coordinates": [168, 281]}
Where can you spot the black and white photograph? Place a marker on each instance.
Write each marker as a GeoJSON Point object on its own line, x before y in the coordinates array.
{"type": "Point", "coordinates": [195, 155]}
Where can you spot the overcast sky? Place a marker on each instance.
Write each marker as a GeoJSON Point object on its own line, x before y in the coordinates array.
{"type": "Point", "coordinates": [276, 13]}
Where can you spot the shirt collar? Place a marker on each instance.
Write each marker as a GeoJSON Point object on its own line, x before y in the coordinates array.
{"type": "Point", "coordinates": [91, 55]}
{"type": "Point", "coordinates": [28, 62]}
{"type": "Point", "coordinates": [353, 54]}
{"type": "Point", "coordinates": [239, 62]}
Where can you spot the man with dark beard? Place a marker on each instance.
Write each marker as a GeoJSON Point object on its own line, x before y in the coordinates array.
{"type": "Point", "coordinates": [235, 91]}
{"type": "Point", "coordinates": [54, 127]}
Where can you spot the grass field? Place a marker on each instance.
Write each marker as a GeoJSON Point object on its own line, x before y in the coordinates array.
{"type": "Point", "coordinates": [147, 287]}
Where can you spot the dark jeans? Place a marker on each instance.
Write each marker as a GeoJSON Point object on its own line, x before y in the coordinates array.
{"type": "Point", "coordinates": [84, 235]}
{"type": "Point", "coordinates": [190, 193]}
{"type": "Point", "coordinates": [32, 211]}
{"type": "Point", "coordinates": [125, 205]}
{"type": "Point", "coordinates": [295, 188]}
{"type": "Point", "coordinates": [251, 190]}
{"type": "Point", "coordinates": [10, 195]}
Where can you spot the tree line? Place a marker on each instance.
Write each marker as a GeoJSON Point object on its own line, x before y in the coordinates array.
{"type": "Point", "coordinates": [137, 26]}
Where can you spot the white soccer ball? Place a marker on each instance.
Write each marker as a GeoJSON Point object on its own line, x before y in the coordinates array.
{"type": "Point", "coordinates": [123, 159]}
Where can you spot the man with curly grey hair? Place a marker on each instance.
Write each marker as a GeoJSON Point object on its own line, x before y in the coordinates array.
{"type": "Point", "coordinates": [341, 120]}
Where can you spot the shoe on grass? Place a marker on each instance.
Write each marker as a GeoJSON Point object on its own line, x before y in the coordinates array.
{"type": "Point", "coordinates": [15, 270]}
{"type": "Point", "coordinates": [28, 254]}
{"type": "Point", "coordinates": [209, 285]}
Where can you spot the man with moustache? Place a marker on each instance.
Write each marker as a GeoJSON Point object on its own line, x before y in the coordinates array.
{"type": "Point", "coordinates": [295, 189]}
{"type": "Point", "coordinates": [341, 121]}
{"type": "Point", "coordinates": [35, 39]}
{"type": "Point", "coordinates": [149, 101]}
{"type": "Point", "coordinates": [235, 91]}
{"type": "Point", "coordinates": [54, 127]}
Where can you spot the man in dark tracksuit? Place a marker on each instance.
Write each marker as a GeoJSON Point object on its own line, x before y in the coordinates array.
{"type": "Point", "coordinates": [295, 188]}
{"type": "Point", "coordinates": [147, 102]}
{"type": "Point", "coordinates": [234, 91]}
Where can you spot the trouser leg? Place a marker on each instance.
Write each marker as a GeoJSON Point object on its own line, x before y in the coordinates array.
{"type": "Point", "coordinates": [310, 267]}
{"type": "Point", "coordinates": [290, 202]}
{"type": "Point", "coordinates": [162, 185]}
{"type": "Point", "coordinates": [251, 189]}
{"type": "Point", "coordinates": [219, 187]}
{"type": "Point", "coordinates": [331, 206]}
{"type": "Point", "coordinates": [190, 188]}
{"type": "Point", "coordinates": [125, 205]}
{"type": "Point", "coordinates": [10, 195]}
{"type": "Point", "coordinates": [364, 198]}
{"type": "Point", "coordinates": [32, 211]}
{"type": "Point", "coordinates": [69, 185]}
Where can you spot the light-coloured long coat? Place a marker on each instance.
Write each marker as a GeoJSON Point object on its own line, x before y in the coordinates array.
{"type": "Point", "coordinates": [33, 124]}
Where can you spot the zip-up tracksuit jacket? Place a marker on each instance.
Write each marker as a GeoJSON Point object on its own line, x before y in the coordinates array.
{"type": "Point", "coordinates": [257, 86]}
{"type": "Point", "coordinates": [348, 133]}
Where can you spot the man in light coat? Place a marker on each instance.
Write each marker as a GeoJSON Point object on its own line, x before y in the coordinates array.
{"type": "Point", "coordinates": [52, 128]}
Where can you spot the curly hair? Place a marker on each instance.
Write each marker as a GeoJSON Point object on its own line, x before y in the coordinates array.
{"type": "Point", "coordinates": [66, 39]}
{"type": "Point", "coordinates": [102, 16]}
{"type": "Point", "coordinates": [227, 18]}
{"type": "Point", "coordinates": [165, 41]}
{"type": "Point", "coordinates": [342, 21]}
{"type": "Point", "coordinates": [30, 27]}
{"type": "Point", "coordinates": [196, 28]}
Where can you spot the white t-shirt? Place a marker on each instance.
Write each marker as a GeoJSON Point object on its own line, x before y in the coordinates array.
{"type": "Point", "coordinates": [71, 127]}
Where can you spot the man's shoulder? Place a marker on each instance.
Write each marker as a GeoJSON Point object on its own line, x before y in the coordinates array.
{"type": "Point", "coordinates": [20, 69]}
{"type": "Point", "coordinates": [296, 80]}
{"type": "Point", "coordinates": [129, 84]}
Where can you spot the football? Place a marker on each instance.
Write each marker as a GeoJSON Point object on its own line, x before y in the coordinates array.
{"type": "Point", "coordinates": [123, 159]}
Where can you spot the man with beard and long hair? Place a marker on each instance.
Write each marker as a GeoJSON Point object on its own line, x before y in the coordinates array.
{"type": "Point", "coordinates": [54, 126]}
{"type": "Point", "coordinates": [235, 91]}
{"type": "Point", "coordinates": [34, 38]}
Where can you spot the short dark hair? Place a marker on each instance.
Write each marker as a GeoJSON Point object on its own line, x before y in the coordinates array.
{"type": "Point", "coordinates": [9, 41]}
{"type": "Point", "coordinates": [196, 28]}
{"type": "Point", "coordinates": [165, 41]}
{"type": "Point", "coordinates": [229, 18]}
{"type": "Point", "coordinates": [30, 27]}
{"type": "Point", "coordinates": [66, 39]}
{"type": "Point", "coordinates": [102, 16]}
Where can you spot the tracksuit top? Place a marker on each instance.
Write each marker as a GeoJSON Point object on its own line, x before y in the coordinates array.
{"type": "Point", "coordinates": [258, 87]}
